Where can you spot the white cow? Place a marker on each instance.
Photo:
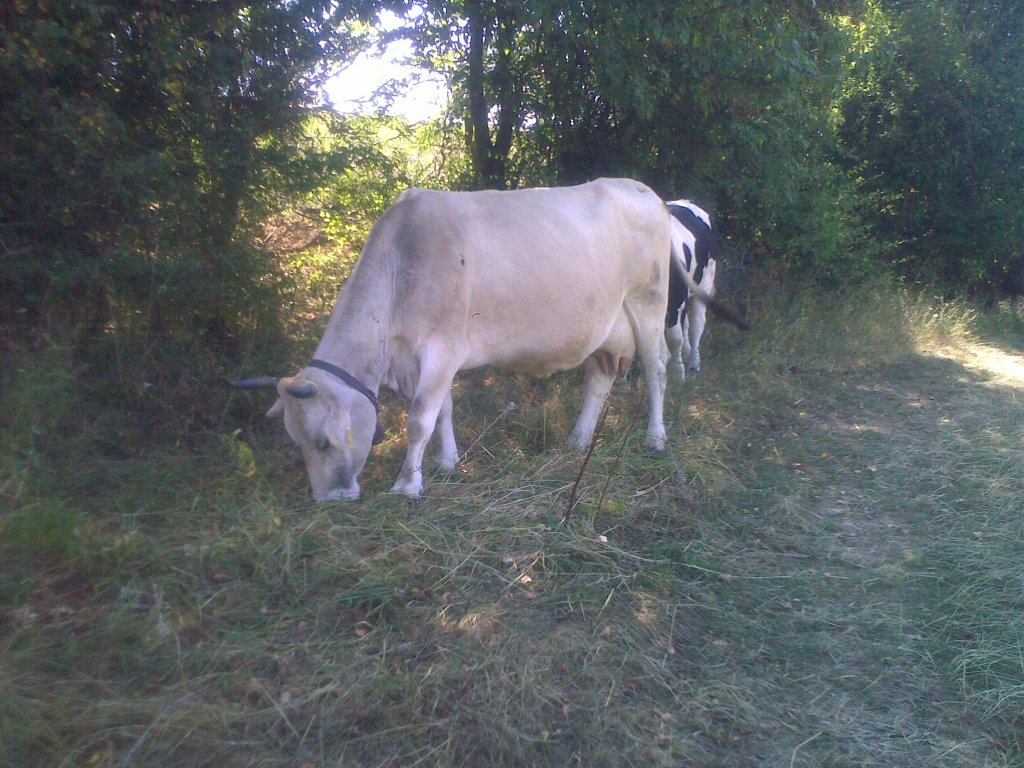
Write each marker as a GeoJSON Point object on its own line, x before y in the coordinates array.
{"type": "Point", "coordinates": [535, 280]}
{"type": "Point", "coordinates": [692, 228]}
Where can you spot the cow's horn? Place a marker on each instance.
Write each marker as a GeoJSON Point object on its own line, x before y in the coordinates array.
{"type": "Point", "coordinates": [301, 389]}
{"type": "Point", "coordinates": [257, 382]}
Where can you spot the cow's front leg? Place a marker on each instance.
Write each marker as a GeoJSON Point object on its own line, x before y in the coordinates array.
{"type": "Point", "coordinates": [597, 382]}
{"type": "Point", "coordinates": [432, 390]}
{"type": "Point", "coordinates": [447, 450]}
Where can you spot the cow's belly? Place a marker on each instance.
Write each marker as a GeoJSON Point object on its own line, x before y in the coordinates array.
{"type": "Point", "coordinates": [544, 351]}
{"type": "Point", "coordinates": [528, 361]}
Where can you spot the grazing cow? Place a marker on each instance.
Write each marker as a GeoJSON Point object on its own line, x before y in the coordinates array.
{"type": "Point", "coordinates": [534, 280]}
{"type": "Point", "coordinates": [692, 227]}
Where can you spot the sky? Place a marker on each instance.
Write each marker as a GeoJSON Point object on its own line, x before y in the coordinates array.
{"type": "Point", "coordinates": [351, 89]}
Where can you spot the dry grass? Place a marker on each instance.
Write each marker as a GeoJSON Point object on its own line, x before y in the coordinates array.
{"type": "Point", "coordinates": [835, 584]}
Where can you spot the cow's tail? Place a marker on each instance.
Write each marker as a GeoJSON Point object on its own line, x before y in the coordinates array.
{"type": "Point", "coordinates": [679, 265]}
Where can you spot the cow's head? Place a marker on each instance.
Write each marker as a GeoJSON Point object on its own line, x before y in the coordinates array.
{"type": "Point", "coordinates": [334, 425]}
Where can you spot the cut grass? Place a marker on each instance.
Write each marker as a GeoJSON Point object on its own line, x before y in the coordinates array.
{"type": "Point", "coordinates": [836, 584]}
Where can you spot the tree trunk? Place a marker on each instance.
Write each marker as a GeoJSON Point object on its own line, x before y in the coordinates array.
{"type": "Point", "coordinates": [490, 155]}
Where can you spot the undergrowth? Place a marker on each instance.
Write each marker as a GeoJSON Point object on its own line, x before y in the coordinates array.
{"type": "Point", "coordinates": [820, 572]}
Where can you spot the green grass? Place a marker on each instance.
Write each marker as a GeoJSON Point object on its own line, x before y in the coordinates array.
{"type": "Point", "coordinates": [837, 583]}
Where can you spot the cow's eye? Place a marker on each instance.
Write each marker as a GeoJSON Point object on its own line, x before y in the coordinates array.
{"type": "Point", "coordinates": [321, 443]}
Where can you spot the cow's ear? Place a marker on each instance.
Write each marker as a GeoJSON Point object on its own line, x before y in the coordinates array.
{"type": "Point", "coordinates": [277, 409]}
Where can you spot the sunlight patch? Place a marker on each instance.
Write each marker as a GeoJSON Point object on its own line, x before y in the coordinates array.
{"type": "Point", "coordinates": [1002, 367]}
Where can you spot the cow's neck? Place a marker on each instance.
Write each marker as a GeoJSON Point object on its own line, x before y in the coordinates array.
{"type": "Point", "coordinates": [357, 332]}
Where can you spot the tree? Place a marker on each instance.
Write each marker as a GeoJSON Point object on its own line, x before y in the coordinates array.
{"type": "Point", "coordinates": [142, 141]}
{"type": "Point", "coordinates": [933, 128]}
{"type": "Point", "coordinates": [730, 103]}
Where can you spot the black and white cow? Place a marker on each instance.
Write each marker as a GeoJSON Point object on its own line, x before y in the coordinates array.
{"type": "Point", "coordinates": [685, 320]}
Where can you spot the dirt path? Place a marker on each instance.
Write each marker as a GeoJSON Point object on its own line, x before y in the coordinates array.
{"type": "Point", "coordinates": [896, 462]}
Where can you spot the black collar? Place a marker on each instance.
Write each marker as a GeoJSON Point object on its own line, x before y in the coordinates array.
{"type": "Point", "coordinates": [347, 377]}
{"type": "Point", "coordinates": [357, 385]}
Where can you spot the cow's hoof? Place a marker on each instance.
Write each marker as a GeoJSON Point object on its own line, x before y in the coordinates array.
{"type": "Point", "coordinates": [408, 486]}
{"type": "Point", "coordinates": [656, 441]}
{"type": "Point", "coordinates": [448, 463]}
{"type": "Point", "coordinates": [579, 442]}
{"type": "Point", "coordinates": [412, 493]}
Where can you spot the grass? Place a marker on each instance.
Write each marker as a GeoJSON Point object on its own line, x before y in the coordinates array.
{"type": "Point", "coordinates": [837, 583]}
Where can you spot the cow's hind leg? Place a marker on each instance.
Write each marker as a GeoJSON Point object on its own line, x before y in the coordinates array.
{"type": "Point", "coordinates": [696, 318]}
{"type": "Point", "coordinates": [432, 391]}
{"type": "Point", "coordinates": [599, 372]}
{"type": "Point", "coordinates": [685, 348]}
{"type": "Point", "coordinates": [653, 353]}
{"type": "Point", "coordinates": [676, 340]}
{"type": "Point", "coordinates": [447, 451]}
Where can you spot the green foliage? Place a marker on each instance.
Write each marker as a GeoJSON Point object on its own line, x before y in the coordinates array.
{"type": "Point", "coordinates": [824, 134]}
{"type": "Point", "coordinates": [385, 157]}
{"type": "Point", "coordinates": [933, 120]}
{"type": "Point", "coordinates": [143, 146]}
{"type": "Point", "coordinates": [730, 104]}
{"type": "Point", "coordinates": [146, 148]}
{"type": "Point", "coordinates": [318, 237]}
